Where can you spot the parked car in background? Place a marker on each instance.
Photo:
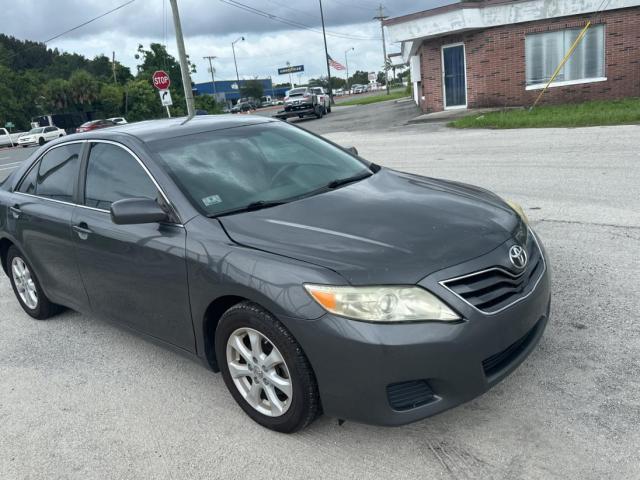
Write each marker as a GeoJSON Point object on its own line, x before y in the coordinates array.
{"type": "Point", "coordinates": [118, 120]}
{"type": "Point", "coordinates": [266, 101]}
{"type": "Point", "coordinates": [95, 125]}
{"type": "Point", "coordinates": [40, 135]}
{"type": "Point", "coordinates": [243, 107]}
{"type": "Point", "coordinates": [356, 89]}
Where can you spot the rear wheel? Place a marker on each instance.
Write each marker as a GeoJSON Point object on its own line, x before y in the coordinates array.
{"type": "Point", "coordinates": [265, 369]}
{"type": "Point", "coordinates": [27, 287]}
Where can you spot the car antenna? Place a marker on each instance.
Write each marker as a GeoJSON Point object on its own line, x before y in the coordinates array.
{"type": "Point", "coordinates": [188, 118]}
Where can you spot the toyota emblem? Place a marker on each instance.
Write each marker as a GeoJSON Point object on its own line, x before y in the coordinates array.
{"type": "Point", "coordinates": [518, 257]}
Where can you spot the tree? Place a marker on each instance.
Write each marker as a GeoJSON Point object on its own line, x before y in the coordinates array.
{"type": "Point", "coordinates": [359, 77]}
{"type": "Point", "coordinates": [336, 83]}
{"type": "Point", "coordinates": [207, 103]}
{"type": "Point", "coordinates": [57, 94]}
{"type": "Point", "coordinates": [157, 58]}
{"type": "Point", "coordinates": [83, 89]}
{"type": "Point", "coordinates": [142, 100]}
{"type": "Point", "coordinates": [112, 99]}
{"type": "Point", "coordinates": [381, 78]}
{"type": "Point", "coordinates": [252, 89]}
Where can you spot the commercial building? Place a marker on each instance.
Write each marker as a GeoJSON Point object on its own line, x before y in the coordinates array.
{"type": "Point", "coordinates": [491, 53]}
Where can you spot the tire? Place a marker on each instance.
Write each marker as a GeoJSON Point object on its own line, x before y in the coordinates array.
{"type": "Point", "coordinates": [60, 136]}
{"type": "Point", "coordinates": [43, 307]}
{"type": "Point", "coordinates": [41, 141]}
{"type": "Point", "coordinates": [295, 411]}
{"type": "Point", "coordinates": [319, 112]}
{"type": "Point", "coordinates": [24, 146]}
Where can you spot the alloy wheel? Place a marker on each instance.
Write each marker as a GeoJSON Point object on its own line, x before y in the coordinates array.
{"type": "Point", "coordinates": [24, 283]}
{"type": "Point", "coordinates": [259, 372]}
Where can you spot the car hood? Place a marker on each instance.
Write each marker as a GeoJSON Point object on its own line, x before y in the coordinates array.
{"type": "Point", "coordinates": [391, 228]}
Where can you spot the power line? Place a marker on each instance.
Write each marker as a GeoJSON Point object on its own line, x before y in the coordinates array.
{"type": "Point", "coordinates": [37, 43]}
{"type": "Point", "coordinates": [88, 21]}
{"type": "Point", "coordinates": [292, 23]}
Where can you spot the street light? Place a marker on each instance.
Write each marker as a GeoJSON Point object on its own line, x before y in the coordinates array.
{"type": "Point", "coordinates": [346, 64]}
{"type": "Point", "coordinates": [233, 47]}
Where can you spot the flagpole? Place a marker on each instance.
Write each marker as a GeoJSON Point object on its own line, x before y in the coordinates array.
{"type": "Point", "coordinates": [326, 56]}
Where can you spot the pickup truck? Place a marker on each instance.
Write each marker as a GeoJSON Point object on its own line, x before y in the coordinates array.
{"type": "Point", "coordinates": [305, 101]}
{"type": "Point", "coordinates": [7, 139]}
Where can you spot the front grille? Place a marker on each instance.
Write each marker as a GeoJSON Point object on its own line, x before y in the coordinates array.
{"type": "Point", "coordinates": [495, 289]}
{"type": "Point", "coordinates": [500, 360]}
{"type": "Point", "coordinates": [408, 395]}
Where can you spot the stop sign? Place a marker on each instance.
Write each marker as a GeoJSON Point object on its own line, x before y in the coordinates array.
{"type": "Point", "coordinates": [161, 80]}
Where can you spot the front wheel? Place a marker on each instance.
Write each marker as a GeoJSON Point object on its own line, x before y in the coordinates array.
{"type": "Point", "coordinates": [41, 141]}
{"type": "Point", "coordinates": [319, 111]}
{"type": "Point", "coordinates": [27, 287]}
{"type": "Point", "coordinates": [265, 369]}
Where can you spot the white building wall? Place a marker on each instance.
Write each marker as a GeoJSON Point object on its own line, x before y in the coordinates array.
{"type": "Point", "coordinates": [416, 77]}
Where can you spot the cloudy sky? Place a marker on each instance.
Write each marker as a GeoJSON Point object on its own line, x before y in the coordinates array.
{"type": "Point", "coordinates": [210, 26]}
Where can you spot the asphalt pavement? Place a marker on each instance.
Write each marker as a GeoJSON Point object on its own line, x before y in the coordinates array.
{"type": "Point", "coordinates": [82, 399]}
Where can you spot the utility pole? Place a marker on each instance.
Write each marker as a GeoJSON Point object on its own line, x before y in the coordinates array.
{"type": "Point", "coordinates": [290, 77]}
{"type": "Point", "coordinates": [113, 66]}
{"type": "Point", "coordinates": [184, 66]}
{"type": "Point", "coordinates": [346, 63]}
{"type": "Point", "coordinates": [326, 56]}
{"type": "Point", "coordinates": [381, 17]}
{"type": "Point", "coordinates": [213, 80]}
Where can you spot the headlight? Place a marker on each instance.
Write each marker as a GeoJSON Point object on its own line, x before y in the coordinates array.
{"type": "Point", "coordinates": [382, 304]}
{"type": "Point", "coordinates": [519, 210]}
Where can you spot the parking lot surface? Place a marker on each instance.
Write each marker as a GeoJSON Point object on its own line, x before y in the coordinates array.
{"type": "Point", "coordinates": [82, 399]}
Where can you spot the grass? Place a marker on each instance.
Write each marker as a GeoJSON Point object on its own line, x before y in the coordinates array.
{"type": "Point", "coordinates": [393, 95]}
{"type": "Point", "coordinates": [612, 112]}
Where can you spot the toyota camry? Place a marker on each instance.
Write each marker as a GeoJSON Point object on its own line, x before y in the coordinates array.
{"type": "Point", "coordinates": [313, 280]}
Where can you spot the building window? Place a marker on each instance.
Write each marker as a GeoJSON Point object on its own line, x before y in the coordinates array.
{"type": "Point", "coordinates": [545, 51]}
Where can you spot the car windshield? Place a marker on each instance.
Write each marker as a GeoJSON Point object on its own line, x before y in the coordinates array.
{"type": "Point", "coordinates": [36, 130]}
{"type": "Point", "coordinates": [229, 170]}
{"type": "Point", "coordinates": [296, 92]}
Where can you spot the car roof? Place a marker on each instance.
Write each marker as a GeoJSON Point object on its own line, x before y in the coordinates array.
{"type": "Point", "coordinates": [150, 130]}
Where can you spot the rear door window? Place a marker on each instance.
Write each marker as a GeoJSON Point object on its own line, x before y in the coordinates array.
{"type": "Point", "coordinates": [55, 175]}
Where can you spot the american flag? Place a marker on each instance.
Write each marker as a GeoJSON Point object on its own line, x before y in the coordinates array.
{"type": "Point", "coordinates": [335, 65]}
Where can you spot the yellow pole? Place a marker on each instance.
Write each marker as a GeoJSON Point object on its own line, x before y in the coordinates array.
{"type": "Point", "coordinates": [563, 63]}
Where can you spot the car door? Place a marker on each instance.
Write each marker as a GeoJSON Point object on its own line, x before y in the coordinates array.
{"type": "Point", "coordinates": [134, 274]}
{"type": "Point", "coordinates": [40, 220]}
{"type": "Point", "coordinates": [50, 133]}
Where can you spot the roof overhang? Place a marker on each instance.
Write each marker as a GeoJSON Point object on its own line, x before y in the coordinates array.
{"type": "Point", "coordinates": [411, 30]}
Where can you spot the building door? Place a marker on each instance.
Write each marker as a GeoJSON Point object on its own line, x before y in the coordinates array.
{"type": "Point", "coordinates": [454, 76]}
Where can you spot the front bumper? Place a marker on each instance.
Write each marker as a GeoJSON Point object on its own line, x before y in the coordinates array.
{"type": "Point", "coordinates": [359, 366]}
{"type": "Point", "coordinates": [31, 141]}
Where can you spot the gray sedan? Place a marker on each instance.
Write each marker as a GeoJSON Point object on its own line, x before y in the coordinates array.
{"type": "Point", "coordinates": [314, 280]}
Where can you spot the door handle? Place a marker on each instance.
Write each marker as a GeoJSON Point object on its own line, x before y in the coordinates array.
{"type": "Point", "coordinates": [82, 230]}
{"type": "Point", "coordinates": [15, 211]}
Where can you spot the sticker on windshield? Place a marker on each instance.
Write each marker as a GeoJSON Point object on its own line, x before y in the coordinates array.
{"type": "Point", "coordinates": [211, 200]}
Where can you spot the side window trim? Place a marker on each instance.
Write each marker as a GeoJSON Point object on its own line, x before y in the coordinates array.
{"type": "Point", "coordinates": [83, 177]}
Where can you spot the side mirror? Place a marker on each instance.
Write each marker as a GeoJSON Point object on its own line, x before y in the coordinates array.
{"type": "Point", "coordinates": [131, 211]}
{"type": "Point", "coordinates": [352, 150]}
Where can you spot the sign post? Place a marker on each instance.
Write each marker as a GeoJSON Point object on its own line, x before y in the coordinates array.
{"type": "Point", "coordinates": [162, 82]}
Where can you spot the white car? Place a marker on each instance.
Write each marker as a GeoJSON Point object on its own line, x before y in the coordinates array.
{"type": "Point", "coordinates": [40, 135]}
{"type": "Point", "coordinates": [118, 120]}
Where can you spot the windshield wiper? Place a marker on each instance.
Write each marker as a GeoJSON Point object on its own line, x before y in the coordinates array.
{"type": "Point", "coordinates": [259, 205]}
{"type": "Point", "coordinates": [344, 181]}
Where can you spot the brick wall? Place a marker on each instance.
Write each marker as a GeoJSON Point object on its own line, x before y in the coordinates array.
{"type": "Point", "coordinates": [496, 63]}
